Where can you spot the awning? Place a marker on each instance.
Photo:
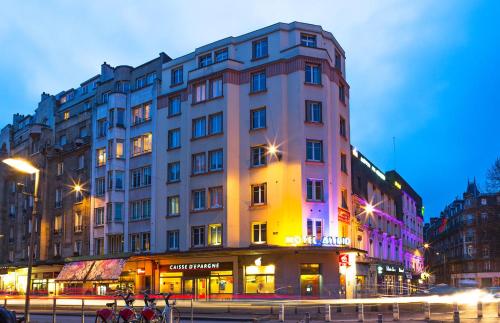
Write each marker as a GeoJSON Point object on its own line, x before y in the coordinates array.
{"type": "Point", "coordinates": [109, 269]}
{"type": "Point", "coordinates": [75, 271]}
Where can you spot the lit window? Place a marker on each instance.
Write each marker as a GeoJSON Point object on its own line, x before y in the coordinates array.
{"type": "Point", "coordinates": [343, 193]}
{"type": "Point", "coordinates": [141, 144]}
{"type": "Point", "coordinates": [66, 115]}
{"type": "Point", "coordinates": [60, 168]}
{"type": "Point", "coordinates": [173, 207]}
{"type": "Point", "coordinates": [259, 232]}
{"type": "Point", "coordinates": [101, 156]}
{"type": "Point", "coordinates": [215, 234]}
{"type": "Point", "coordinates": [119, 149]}
{"type": "Point", "coordinates": [141, 113]}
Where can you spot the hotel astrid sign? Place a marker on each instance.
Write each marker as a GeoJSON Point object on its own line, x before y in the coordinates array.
{"type": "Point", "coordinates": [326, 241]}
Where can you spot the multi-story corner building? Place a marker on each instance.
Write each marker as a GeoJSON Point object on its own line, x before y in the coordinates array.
{"type": "Point", "coordinates": [410, 210]}
{"type": "Point", "coordinates": [255, 143]}
{"type": "Point", "coordinates": [377, 229]}
{"type": "Point", "coordinates": [464, 242]}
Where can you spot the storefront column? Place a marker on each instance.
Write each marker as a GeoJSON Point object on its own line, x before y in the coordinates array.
{"type": "Point", "coordinates": [156, 277]}
{"type": "Point", "coordinates": [236, 276]}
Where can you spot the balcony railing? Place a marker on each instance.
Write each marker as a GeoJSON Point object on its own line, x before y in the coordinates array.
{"type": "Point", "coordinates": [78, 228]}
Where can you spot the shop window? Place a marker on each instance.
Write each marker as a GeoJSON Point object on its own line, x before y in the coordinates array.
{"type": "Point", "coordinates": [310, 278]}
{"type": "Point", "coordinates": [259, 279]}
{"type": "Point", "coordinates": [171, 285]}
{"type": "Point", "coordinates": [221, 282]}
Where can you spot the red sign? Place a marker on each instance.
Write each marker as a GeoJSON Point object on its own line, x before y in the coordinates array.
{"type": "Point", "coordinates": [344, 215]}
{"type": "Point", "coordinates": [344, 259]}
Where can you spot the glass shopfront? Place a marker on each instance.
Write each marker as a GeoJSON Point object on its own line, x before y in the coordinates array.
{"type": "Point", "coordinates": [202, 280]}
{"type": "Point", "coordinates": [390, 279]}
{"type": "Point", "coordinates": [259, 279]}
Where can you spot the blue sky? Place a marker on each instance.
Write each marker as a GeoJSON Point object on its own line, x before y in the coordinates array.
{"type": "Point", "coordinates": [424, 72]}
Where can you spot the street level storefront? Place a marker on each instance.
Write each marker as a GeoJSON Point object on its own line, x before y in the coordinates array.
{"type": "Point", "coordinates": [391, 279]}
{"type": "Point", "coordinates": [479, 280]}
{"type": "Point", "coordinates": [305, 271]}
{"type": "Point", "coordinates": [14, 280]}
{"type": "Point", "coordinates": [99, 277]}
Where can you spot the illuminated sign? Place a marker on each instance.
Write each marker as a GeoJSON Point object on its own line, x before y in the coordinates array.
{"type": "Point", "coordinates": [344, 259]}
{"type": "Point", "coordinates": [326, 241]}
{"type": "Point", "coordinates": [196, 266]}
{"type": "Point", "coordinates": [368, 164]}
{"type": "Point", "coordinates": [344, 215]}
{"type": "Point", "coordinates": [141, 271]}
{"type": "Point", "coordinates": [390, 269]}
{"type": "Point", "coordinates": [396, 183]}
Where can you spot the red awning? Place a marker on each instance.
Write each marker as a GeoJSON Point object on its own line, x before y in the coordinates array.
{"type": "Point", "coordinates": [109, 269]}
{"type": "Point", "coordinates": [75, 271]}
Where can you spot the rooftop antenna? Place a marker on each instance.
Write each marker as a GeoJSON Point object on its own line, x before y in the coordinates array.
{"type": "Point", "coordinates": [394, 148]}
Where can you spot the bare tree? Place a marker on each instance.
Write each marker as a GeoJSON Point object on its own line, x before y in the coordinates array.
{"type": "Point", "coordinates": [493, 177]}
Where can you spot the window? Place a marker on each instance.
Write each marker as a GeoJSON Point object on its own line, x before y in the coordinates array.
{"type": "Point", "coordinates": [110, 149]}
{"type": "Point", "coordinates": [99, 246]}
{"type": "Point", "coordinates": [308, 40]}
{"type": "Point", "coordinates": [176, 76]}
{"type": "Point", "coordinates": [342, 93]}
{"type": "Point", "coordinates": [60, 168]}
{"type": "Point", "coordinates": [215, 234]}
{"type": "Point", "coordinates": [100, 187]}
{"type": "Point", "coordinates": [221, 55]}
{"type": "Point", "coordinates": [314, 112]}
{"type": "Point", "coordinates": [146, 176]}
{"type": "Point", "coordinates": [259, 232]}
{"type": "Point", "coordinates": [135, 242]}
{"type": "Point", "coordinates": [99, 216]}
{"type": "Point", "coordinates": [66, 115]}
{"type": "Point", "coordinates": [343, 193]}
{"type": "Point", "coordinates": [110, 180]}
{"type": "Point", "coordinates": [101, 156]}
{"type": "Point", "coordinates": [78, 224]}
{"type": "Point", "coordinates": [199, 127]}
{"type": "Point", "coordinates": [259, 194]}
{"type": "Point", "coordinates": [118, 211]}
{"type": "Point", "coordinates": [115, 243]}
{"type": "Point", "coordinates": [258, 156]}
{"type": "Point", "coordinates": [259, 48]}
{"type": "Point", "coordinates": [258, 81]}
{"type": "Point", "coordinates": [82, 133]}
{"type": "Point", "coordinates": [57, 224]}
{"type": "Point", "coordinates": [173, 207]}
{"type": "Point", "coordinates": [198, 164]}
{"type": "Point", "coordinates": [140, 177]}
{"type": "Point", "coordinates": [81, 161]}
{"type": "Point", "coordinates": [77, 248]}
{"type": "Point", "coordinates": [140, 82]}
{"type": "Point", "coordinates": [215, 196]}
{"type": "Point", "coordinates": [140, 210]}
{"type": "Point", "coordinates": [198, 197]}
{"type": "Point", "coordinates": [120, 118]}
{"type": "Point", "coordinates": [342, 128]}
{"type": "Point", "coordinates": [315, 190]}
{"type": "Point", "coordinates": [111, 117]}
{"type": "Point", "coordinates": [343, 162]}
{"type": "Point", "coordinates": [119, 179]}
{"type": "Point", "coordinates": [174, 106]}
{"type": "Point", "coordinates": [141, 113]}
{"type": "Point", "coordinates": [314, 150]}
{"type": "Point", "coordinates": [215, 160]}
{"type": "Point", "coordinates": [198, 236]}
{"type": "Point", "coordinates": [101, 128]}
{"type": "Point", "coordinates": [119, 149]}
{"type": "Point", "coordinates": [122, 86]}
{"type": "Point", "coordinates": [215, 123]}
{"type": "Point", "coordinates": [338, 61]}
{"type": "Point", "coordinates": [141, 144]}
{"type": "Point", "coordinates": [215, 87]}
{"type": "Point", "coordinates": [313, 74]}
{"type": "Point", "coordinates": [205, 60]}
{"type": "Point", "coordinates": [174, 138]}
{"type": "Point", "coordinates": [174, 172]}
{"type": "Point", "coordinates": [109, 212]}
{"type": "Point", "coordinates": [151, 77]}
{"type": "Point", "coordinates": [63, 140]}
{"type": "Point", "coordinates": [315, 228]}
{"type": "Point", "coordinates": [173, 240]}
{"type": "Point", "coordinates": [200, 92]}
{"type": "Point", "coordinates": [258, 118]}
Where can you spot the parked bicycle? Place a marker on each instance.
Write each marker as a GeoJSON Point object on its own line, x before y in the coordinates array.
{"type": "Point", "coordinates": [169, 313]}
{"type": "Point", "coordinates": [149, 312]}
{"type": "Point", "coordinates": [110, 314]}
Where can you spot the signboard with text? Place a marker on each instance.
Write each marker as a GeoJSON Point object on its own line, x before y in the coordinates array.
{"type": "Point", "coordinates": [325, 241]}
{"type": "Point", "coordinates": [344, 215]}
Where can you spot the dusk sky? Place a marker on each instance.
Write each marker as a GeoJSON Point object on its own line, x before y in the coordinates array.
{"type": "Point", "coordinates": [424, 72]}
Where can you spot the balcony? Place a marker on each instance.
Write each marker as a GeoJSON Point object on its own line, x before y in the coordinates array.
{"type": "Point", "coordinates": [78, 228]}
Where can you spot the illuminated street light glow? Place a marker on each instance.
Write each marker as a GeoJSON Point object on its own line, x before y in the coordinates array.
{"type": "Point", "coordinates": [272, 150]}
{"type": "Point", "coordinates": [21, 165]}
{"type": "Point", "coordinates": [369, 208]}
{"type": "Point", "coordinates": [426, 246]}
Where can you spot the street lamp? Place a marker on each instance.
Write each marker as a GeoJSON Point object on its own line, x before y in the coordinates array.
{"type": "Point", "coordinates": [26, 167]}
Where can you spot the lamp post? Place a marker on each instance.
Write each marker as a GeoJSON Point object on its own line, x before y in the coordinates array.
{"type": "Point", "coordinates": [25, 167]}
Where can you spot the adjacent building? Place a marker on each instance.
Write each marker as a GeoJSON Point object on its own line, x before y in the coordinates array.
{"type": "Point", "coordinates": [464, 242]}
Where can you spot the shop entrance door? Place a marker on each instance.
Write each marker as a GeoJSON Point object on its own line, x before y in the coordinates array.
{"type": "Point", "coordinates": [201, 288]}
{"type": "Point", "coordinates": [188, 286]}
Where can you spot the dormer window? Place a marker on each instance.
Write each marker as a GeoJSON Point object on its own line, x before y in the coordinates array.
{"type": "Point", "coordinates": [308, 40]}
{"type": "Point", "coordinates": [205, 60]}
{"type": "Point", "coordinates": [221, 55]}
